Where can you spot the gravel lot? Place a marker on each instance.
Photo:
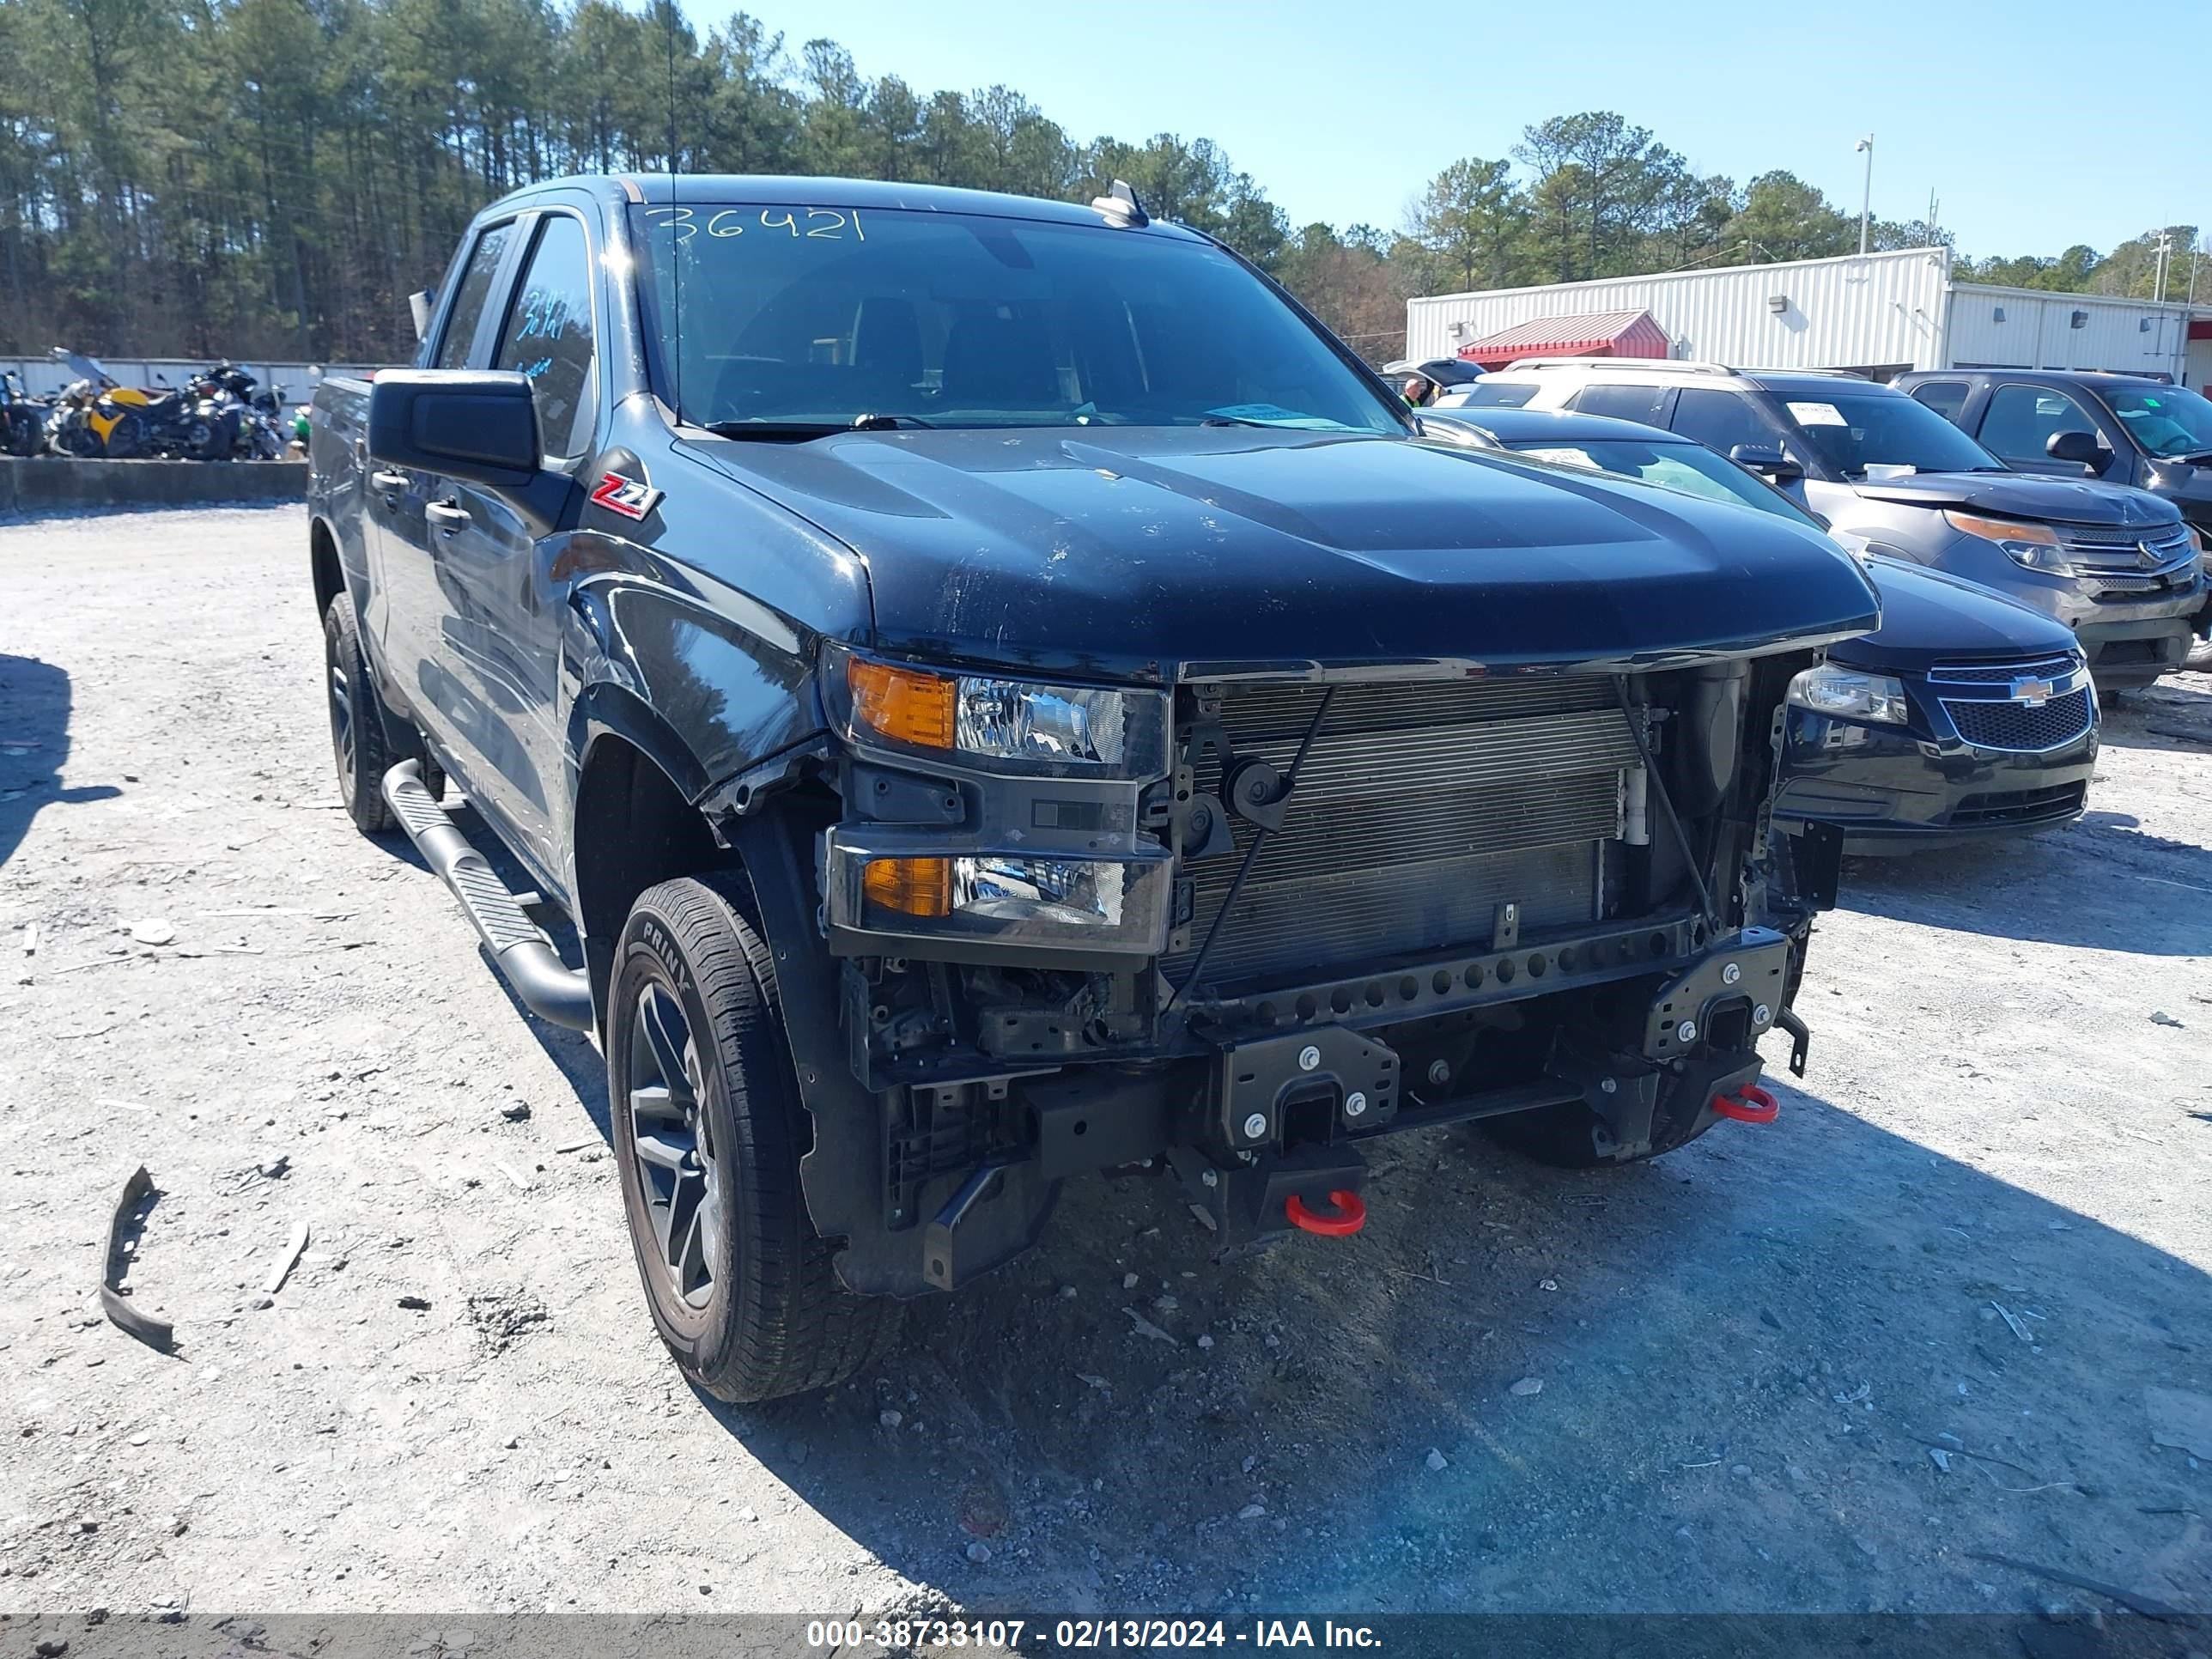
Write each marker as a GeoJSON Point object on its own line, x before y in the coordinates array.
{"type": "Point", "coordinates": [1827, 1365]}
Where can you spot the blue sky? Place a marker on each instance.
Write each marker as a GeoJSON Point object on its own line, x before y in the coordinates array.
{"type": "Point", "coordinates": [2037, 124]}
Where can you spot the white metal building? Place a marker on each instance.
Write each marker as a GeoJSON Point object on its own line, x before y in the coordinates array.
{"type": "Point", "coordinates": [1881, 314]}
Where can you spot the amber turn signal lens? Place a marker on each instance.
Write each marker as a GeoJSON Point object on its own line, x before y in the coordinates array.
{"type": "Point", "coordinates": [913, 887]}
{"type": "Point", "coordinates": [900, 704]}
{"type": "Point", "coordinates": [2002, 530]}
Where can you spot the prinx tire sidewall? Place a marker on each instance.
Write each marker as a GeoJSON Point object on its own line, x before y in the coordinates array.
{"type": "Point", "coordinates": [649, 953]}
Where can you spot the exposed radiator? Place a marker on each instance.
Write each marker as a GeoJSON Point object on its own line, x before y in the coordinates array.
{"type": "Point", "coordinates": [1421, 806]}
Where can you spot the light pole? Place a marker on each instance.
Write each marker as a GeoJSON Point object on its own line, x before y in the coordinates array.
{"type": "Point", "coordinates": [1866, 197]}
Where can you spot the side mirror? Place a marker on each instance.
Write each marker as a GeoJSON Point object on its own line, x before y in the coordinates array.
{"type": "Point", "coordinates": [2080, 447]}
{"type": "Point", "coordinates": [479, 425]}
{"type": "Point", "coordinates": [1768, 461]}
{"type": "Point", "coordinates": [418, 308]}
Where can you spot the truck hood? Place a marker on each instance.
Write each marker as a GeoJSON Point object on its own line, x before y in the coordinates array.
{"type": "Point", "coordinates": [2023, 496]}
{"type": "Point", "coordinates": [1928, 617]}
{"type": "Point", "coordinates": [1165, 553]}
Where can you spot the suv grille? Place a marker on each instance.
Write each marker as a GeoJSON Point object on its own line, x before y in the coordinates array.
{"type": "Point", "coordinates": [2123, 550]}
{"type": "Point", "coordinates": [1421, 806]}
{"type": "Point", "coordinates": [2015, 726]}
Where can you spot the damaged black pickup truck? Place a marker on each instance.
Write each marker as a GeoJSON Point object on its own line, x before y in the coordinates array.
{"type": "Point", "coordinates": [1002, 694]}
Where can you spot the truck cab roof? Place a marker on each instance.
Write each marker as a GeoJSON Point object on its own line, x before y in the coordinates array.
{"type": "Point", "coordinates": [761, 189]}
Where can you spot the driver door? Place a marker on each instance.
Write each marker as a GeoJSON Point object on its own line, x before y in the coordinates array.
{"type": "Point", "coordinates": [490, 612]}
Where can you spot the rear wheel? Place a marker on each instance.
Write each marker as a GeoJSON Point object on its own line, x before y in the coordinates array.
{"type": "Point", "coordinates": [126, 439]}
{"type": "Point", "coordinates": [708, 1131]}
{"type": "Point", "coordinates": [357, 713]}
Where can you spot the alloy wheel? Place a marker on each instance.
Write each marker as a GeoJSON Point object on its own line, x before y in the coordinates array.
{"type": "Point", "coordinates": [674, 1156]}
{"type": "Point", "coordinates": [341, 734]}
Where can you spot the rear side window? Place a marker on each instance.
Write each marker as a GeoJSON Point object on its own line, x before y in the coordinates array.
{"type": "Point", "coordinates": [1947, 398]}
{"type": "Point", "coordinates": [1720, 420]}
{"type": "Point", "coordinates": [547, 335]}
{"type": "Point", "coordinates": [1489, 393]}
{"type": "Point", "coordinates": [468, 300]}
{"type": "Point", "coordinates": [1646, 403]}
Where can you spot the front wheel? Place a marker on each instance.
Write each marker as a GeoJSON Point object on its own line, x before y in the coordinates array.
{"type": "Point", "coordinates": [709, 1130]}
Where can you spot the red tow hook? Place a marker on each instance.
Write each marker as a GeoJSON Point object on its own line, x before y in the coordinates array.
{"type": "Point", "coordinates": [1350, 1216]}
{"type": "Point", "coordinates": [1754, 1106]}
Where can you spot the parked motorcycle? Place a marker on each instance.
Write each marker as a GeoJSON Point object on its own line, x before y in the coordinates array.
{"type": "Point", "coordinates": [201, 420]}
{"type": "Point", "coordinates": [204, 420]}
{"type": "Point", "coordinates": [83, 419]}
{"type": "Point", "coordinates": [260, 430]}
{"type": "Point", "coordinates": [23, 417]}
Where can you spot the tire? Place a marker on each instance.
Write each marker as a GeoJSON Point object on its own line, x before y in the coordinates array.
{"type": "Point", "coordinates": [743, 1290]}
{"type": "Point", "coordinates": [357, 746]}
{"type": "Point", "coordinates": [126, 439]}
{"type": "Point", "coordinates": [1560, 1137]}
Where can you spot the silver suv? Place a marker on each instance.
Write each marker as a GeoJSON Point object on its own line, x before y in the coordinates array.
{"type": "Point", "coordinates": [2116, 565]}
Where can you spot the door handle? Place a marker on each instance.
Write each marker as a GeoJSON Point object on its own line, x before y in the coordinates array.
{"type": "Point", "coordinates": [390, 481]}
{"type": "Point", "coordinates": [448, 518]}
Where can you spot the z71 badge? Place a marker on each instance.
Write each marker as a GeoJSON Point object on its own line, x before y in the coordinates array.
{"type": "Point", "coordinates": [633, 498]}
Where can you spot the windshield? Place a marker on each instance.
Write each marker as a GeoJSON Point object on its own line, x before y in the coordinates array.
{"type": "Point", "coordinates": [1691, 467]}
{"type": "Point", "coordinates": [2167, 421]}
{"type": "Point", "coordinates": [1849, 432]}
{"type": "Point", "coordinates": [797, 319]}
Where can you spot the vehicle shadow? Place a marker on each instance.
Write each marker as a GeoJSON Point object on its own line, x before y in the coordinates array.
{"type": "Point", "coordinates": [1714, 1382]}
{"type": "Point", "coordinates": [2175, 713]}
{"type": "Point", "coordinates": [2033, 888]}
{"type": "Point", "coordinates": [1810, 1368]}
{"type": "Point", "coordinates": [34, 746]}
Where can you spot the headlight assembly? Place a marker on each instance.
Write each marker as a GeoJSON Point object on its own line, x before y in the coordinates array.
{"type": "Point", "coordinates": [2034, 546]}
{"type": "Point", "coordinates": [1100, 731]}
{"type": "Point", "coordinates": [1847, 694]}
{"type": "Point", "coordinates": [886, 887]}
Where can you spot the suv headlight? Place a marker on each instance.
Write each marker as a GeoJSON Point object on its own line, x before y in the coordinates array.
{"type": "Point", "coordinates": [2034, 546]}
{"type": "Point", "coordinates": [1032, 725]}
{"type": "Point", "coordinates": [1847, 694]}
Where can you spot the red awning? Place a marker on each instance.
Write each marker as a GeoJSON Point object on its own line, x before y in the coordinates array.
{"type": "Point", "coordinates": [1579, 334]}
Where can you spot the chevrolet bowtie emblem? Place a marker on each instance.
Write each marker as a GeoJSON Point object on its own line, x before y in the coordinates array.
{"type": "Point", "coordinates": [2032, 693]}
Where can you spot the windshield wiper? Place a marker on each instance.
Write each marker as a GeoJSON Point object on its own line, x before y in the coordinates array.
{"type": "Point", "coordinates": [2191, 456]}
{"type": "Point", "coordinates": [892, 423]}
